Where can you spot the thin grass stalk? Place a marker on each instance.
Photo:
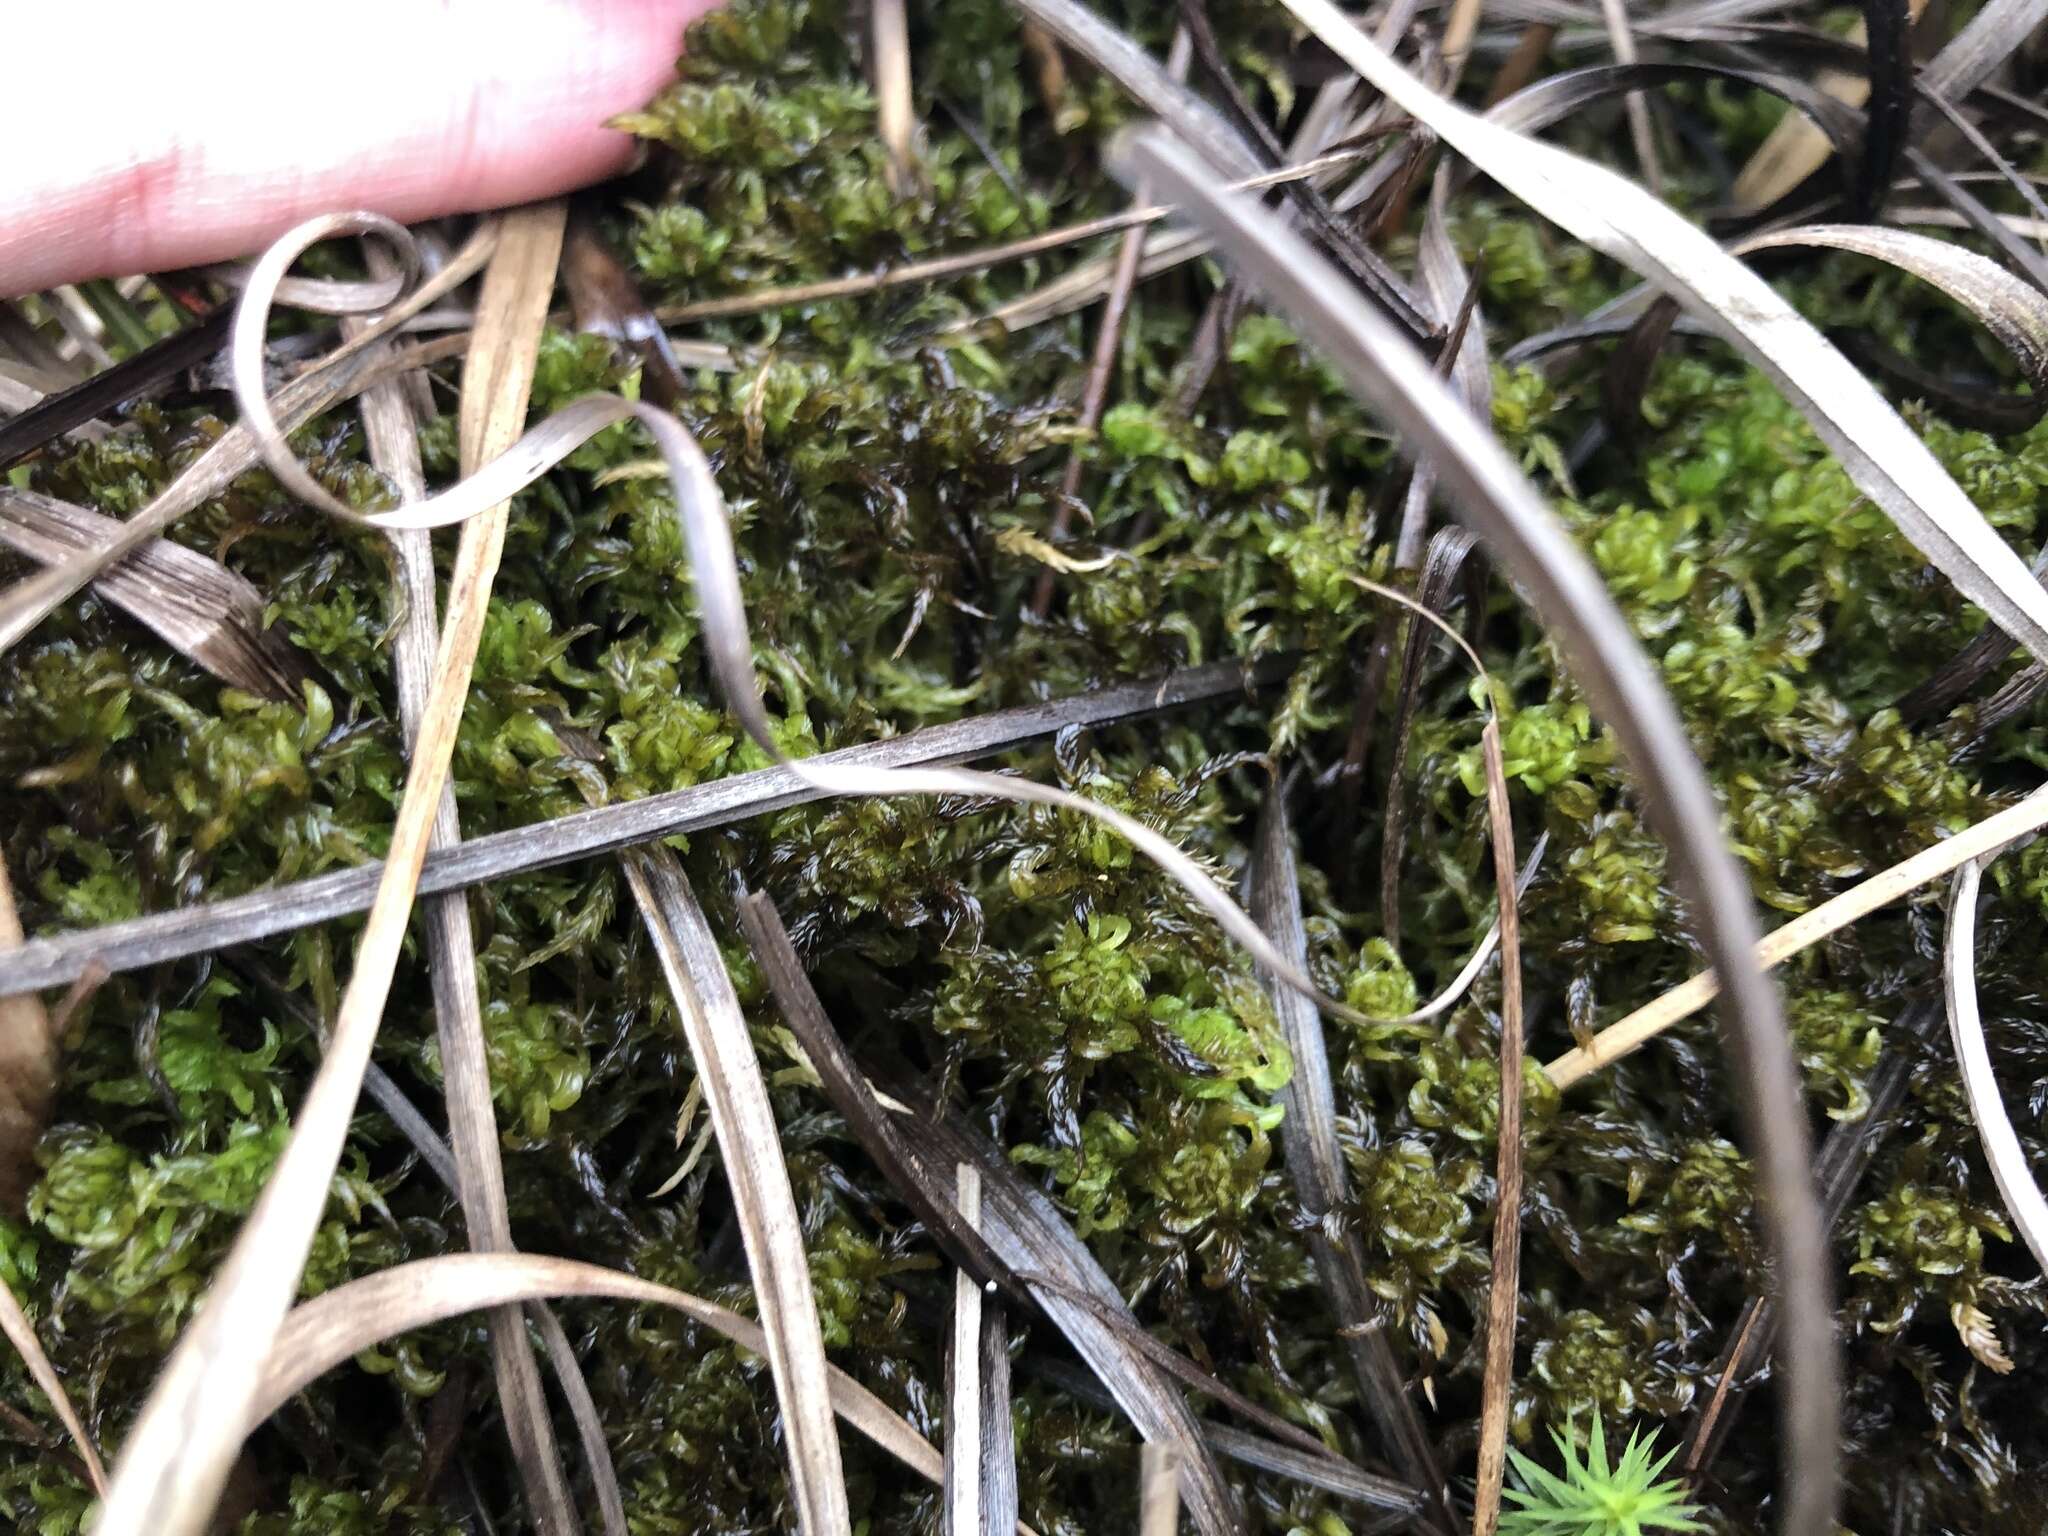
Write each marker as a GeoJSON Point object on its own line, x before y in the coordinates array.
{"type": "Point", "coordinates": [1641, 131]}
{"type": "Point", "coordinates": [451, 945]}
{"type": "Point", "coordinates": [1108, 342]}
{"type": "Point", "coordinates": [1802, 932]}
{"type": "Point", "coordinates": [173, 935]}
{"type": "Point", "coordinates": [1315, 1164]}
{"type": "Point", "coordinates": [964, 1515]}
{"type": "Point", "coordinates": [339, 1324]}
{"type": "Point", "coordinates": [1504, 1289]}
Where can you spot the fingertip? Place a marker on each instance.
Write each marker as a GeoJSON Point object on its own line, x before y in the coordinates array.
{"type": "Point", "coordinates": [223, 139]}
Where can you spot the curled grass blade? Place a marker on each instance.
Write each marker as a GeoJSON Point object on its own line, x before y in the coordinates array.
{"type": "Point", "coordinates": [339, 1324]}
{"type": "Point", "coordinates": [2017, 1185]}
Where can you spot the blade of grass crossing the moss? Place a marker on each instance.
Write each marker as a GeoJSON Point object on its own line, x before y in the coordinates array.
{"type": "Point", "coordinates": [21, 1333]}
{"type": "Point", "coordinates": [340, 1324]}
{"type": "Point", "coordinates": [451, 947]}
{"type": "Point", "coordinates": [171, 1470]}
{"type": "Point", "coordinates": [1158, 1490]}
{"type": "Point", "coordinates": [1606, 660]}
{"type": "Point", "coordinates": [847, 1087]}
{"type": "Point", "coordinates": [1504, 1290]}
{"type": "Point", "coordinates": [1621, 220]}
{"type": "Point", "coordinates": [1029, 1235]}
{"type": "Point", "coordinates": [1108, 342]}
{"type": "Point", "coordinates": [1986, 41]}
{"type": "Point", "coordinates": [1642, 133]}
{"type": "Point", "coordinates": [1802, 932]}
{"type": "Point", "coordinates": [198, 606]}
{"type": "Point", "coordinates": [172, 935]}
{"type": "Point", "coordinates": [968, 1439]}
{"type": "Point", "coordinates": [1315, 1163]}
{"type": "Point", "coordinates": [1201, 125]}
{"type": "Point", "coordinates": [2017, 1186]}
{"type": "Point", "coordinates": [737, 1096]}
{"type": "Point", "coordinates": [238, 449]}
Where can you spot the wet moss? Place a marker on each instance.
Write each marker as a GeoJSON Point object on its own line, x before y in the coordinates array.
{"type": "Point", "coordinates": [875, 458]}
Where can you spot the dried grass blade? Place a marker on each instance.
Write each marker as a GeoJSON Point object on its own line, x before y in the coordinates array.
{"type": "Point", "coordinates": [21, 1333]}
{"type": "Point", "coordinates": [29, 1047]}
{"type": "Point", "coordinates": [1315, 1162]}
{"type": "Point", "coordinates": [433, 1151]}
{"type": "Point", "coordinates": [1619, 219]}
{"type": "Point", "coordinates": [52, 962]}
{"type": "Point", "coordinates": [1108, 342]}
{"type": "Point", "coordinates": [847, 1087]}
{"type": "Point", "coordinates": [177, 1456]}
{"type": "Point", "coordinates": [1802, 932]}
{"type": "Point", "coordinates": [134, 377]}
{"type": "Point", "coordinates": [1641, 131]}
{"type": "Point", "coordinates": [451, 947]}
{"type": "Point", "coordinates": [1029, 1235]}
{"type": "Point", "coordinates": [980, 1455]}
{"type": "Point", "coordinates": [895, 113]}
{"type": "Point", "coordinates": [1442, 567]}
{"type": "Point", "coordinates": [1609, 665]}
{"type": "Point", "coordinates": [2015, 312]}
{"type": "Point", "coordinates": [1970, 58]}
{"type": "Point", "coordinates": [333, 379]}
{"type": "Point", "coordinates": [1504, 1290]}
{"type": "Point", "coordinates": [340, 1324]}
{"type": "Point", "coordinates": [199, 607]}
{"type": "Point", "coordinates": [2017, 1186]}
{"type": "Point", "coordinates": [583, 1409]}
{"type": "Point", "coordinates": [737, 1097]}
{"type": "Point", "coordinates": [759, 300]}
{"type": "Point", "coordinates": [1151, 86]}
{"type": "Point", "coordinates": [1158, 1490]}
{"type": "Point", "coordinates": [1395, 1504]}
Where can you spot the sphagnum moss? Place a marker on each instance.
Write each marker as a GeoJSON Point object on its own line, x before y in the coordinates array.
{"type": "Point", "coordinates": [1102, 1030]}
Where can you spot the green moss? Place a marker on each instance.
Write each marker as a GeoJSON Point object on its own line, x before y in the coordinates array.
{"type": "Point", "coordinates": [875, 456]}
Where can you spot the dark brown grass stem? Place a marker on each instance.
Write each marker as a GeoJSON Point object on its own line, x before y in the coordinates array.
{"type": "Point", "coordinates": [137, 377]}
{"type": "Point", "coordinates": [1520, 66]}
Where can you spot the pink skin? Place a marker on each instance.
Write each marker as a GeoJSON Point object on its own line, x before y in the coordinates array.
{"type": "Point", "coordinates": [142, 138]}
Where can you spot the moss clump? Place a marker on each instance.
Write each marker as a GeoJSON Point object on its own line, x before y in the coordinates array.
{"type": "Point", "coordinates": [879, 459]}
